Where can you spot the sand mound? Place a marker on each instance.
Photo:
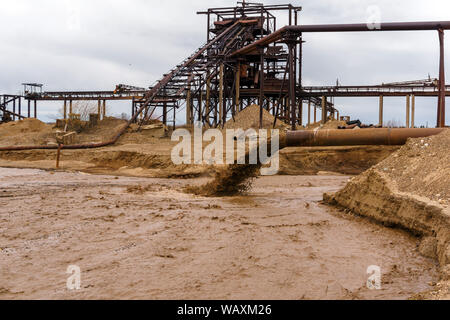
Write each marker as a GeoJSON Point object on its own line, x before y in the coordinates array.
{"type": "Point", "coordinates": [25, 132]}
{"type": "Point", "coordinates": [103, 131]}
{"type": "Point", "coordinates": [26, 125]}
{"type": "Point", "coordinates": [422, 167]}
{"type": "Point", "coordinates": [249, 118]}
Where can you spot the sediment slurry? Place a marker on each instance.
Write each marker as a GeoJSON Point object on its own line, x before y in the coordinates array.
{"type": "Point", "coordinates": [139, 238]}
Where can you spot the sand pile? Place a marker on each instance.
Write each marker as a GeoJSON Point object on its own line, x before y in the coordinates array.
{"type": "Point", "coordinates": [249, 118]}
{"type": "Point", "coordinates": [26, 132]}
{"type": "Point", "coordinates": [422, 167]}
{"type": "Point", "coordinates": [23, 126]}
{"type": "Point", "coordinates": [103, 131]}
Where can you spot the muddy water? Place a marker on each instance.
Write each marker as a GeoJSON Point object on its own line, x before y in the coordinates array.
{"type": "Point", "coordinates": [136, 238]}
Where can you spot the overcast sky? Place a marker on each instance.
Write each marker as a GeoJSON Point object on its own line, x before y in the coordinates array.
{"type": "Point", "coordinates": [94, 45]}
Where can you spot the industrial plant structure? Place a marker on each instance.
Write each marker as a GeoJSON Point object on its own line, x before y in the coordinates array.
{"type": "Point", "coordinates": [246, 59]}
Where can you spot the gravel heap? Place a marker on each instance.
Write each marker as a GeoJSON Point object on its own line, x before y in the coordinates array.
{"type": "Point", "coordinates": [249, 118]}
{"type": "Point", "coordinates": [422, 167]}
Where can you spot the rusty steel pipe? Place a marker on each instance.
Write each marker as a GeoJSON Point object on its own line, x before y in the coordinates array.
{"type": "Point", "coordinates": [359, 27]}
{"type": "Point", "coordinates": [386, 26]}
{"type": "Point", "coordinates": [388, 137]}
{"type": "Point", "coordinates": [58, 155]}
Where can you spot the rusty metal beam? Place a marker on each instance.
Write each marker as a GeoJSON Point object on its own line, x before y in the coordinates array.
{"type": "Point", "coordinates": [441, 100]}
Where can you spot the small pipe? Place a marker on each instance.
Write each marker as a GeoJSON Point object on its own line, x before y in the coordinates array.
{"type": "Point", "coordinates": [58, 154]}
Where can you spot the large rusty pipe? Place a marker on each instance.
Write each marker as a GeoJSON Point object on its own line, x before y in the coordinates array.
{"type": "Point", "coordinates": [359, 27]}
{"type": "Point", "coordinates": [389, 137]}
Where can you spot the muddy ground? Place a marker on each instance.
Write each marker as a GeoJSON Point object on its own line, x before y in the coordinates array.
{"type": "Point", "coordinates": [141, 238]}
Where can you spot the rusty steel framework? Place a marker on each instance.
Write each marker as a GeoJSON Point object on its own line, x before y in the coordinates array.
{"type": "Point", "coordinates": [11, 105]}
{"type": "Point", "coordinates": [10, 108]}
{"type": "Point", "coordinates": [247, 60]}
{"type": "Point", "coordinates": [212, 87]}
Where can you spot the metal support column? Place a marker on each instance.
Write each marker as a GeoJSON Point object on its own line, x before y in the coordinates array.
{"type": "Point", "coordinates": [380, 112]}
{"type": "Point", "coordinates": [300, 113]}
{"type": "Point", "coordinates": [221, 102]}
{"type": "Point", "coordinates": [238, 88]}
{"type": "Point", "coordinates": [208, 99]}
{"type": "Point", "coordinates": [324, 110]}
{"type": "Point", "coordinates": [315, 113]}
{"type": "Point", "coordinates": [261, 88]}
{"type": "Point", "coordinates": [292, 103]}
{"type": "Point", "coordinates": [309, 112]}
{"type": "Point", "coordinates": [175, 116]}
{"type": "Point", "coordinates": [441, 100]}
{"type": "Point", "coordinates": [188, 106]}
{"type": "Point", "coordinates": [200, 101]}
{"type": "Point", "coordinates": [408, 108]}
{"type": "Point", "coordinates": [164, 115]}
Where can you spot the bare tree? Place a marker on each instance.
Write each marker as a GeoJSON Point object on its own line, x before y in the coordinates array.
{"type": "Point", "coordinates": [124, 116]}
{"type": "Point", "coordinates": [83, 108]}
{"type": "Point", "coordinates": [393, 124]}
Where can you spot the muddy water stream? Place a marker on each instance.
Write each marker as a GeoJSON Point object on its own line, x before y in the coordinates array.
{"type": "Point", "coordinates": [136, 238]}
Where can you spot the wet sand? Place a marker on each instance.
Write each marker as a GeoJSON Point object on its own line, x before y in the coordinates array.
{"type": "Point", "coordinates": [140, 238]}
